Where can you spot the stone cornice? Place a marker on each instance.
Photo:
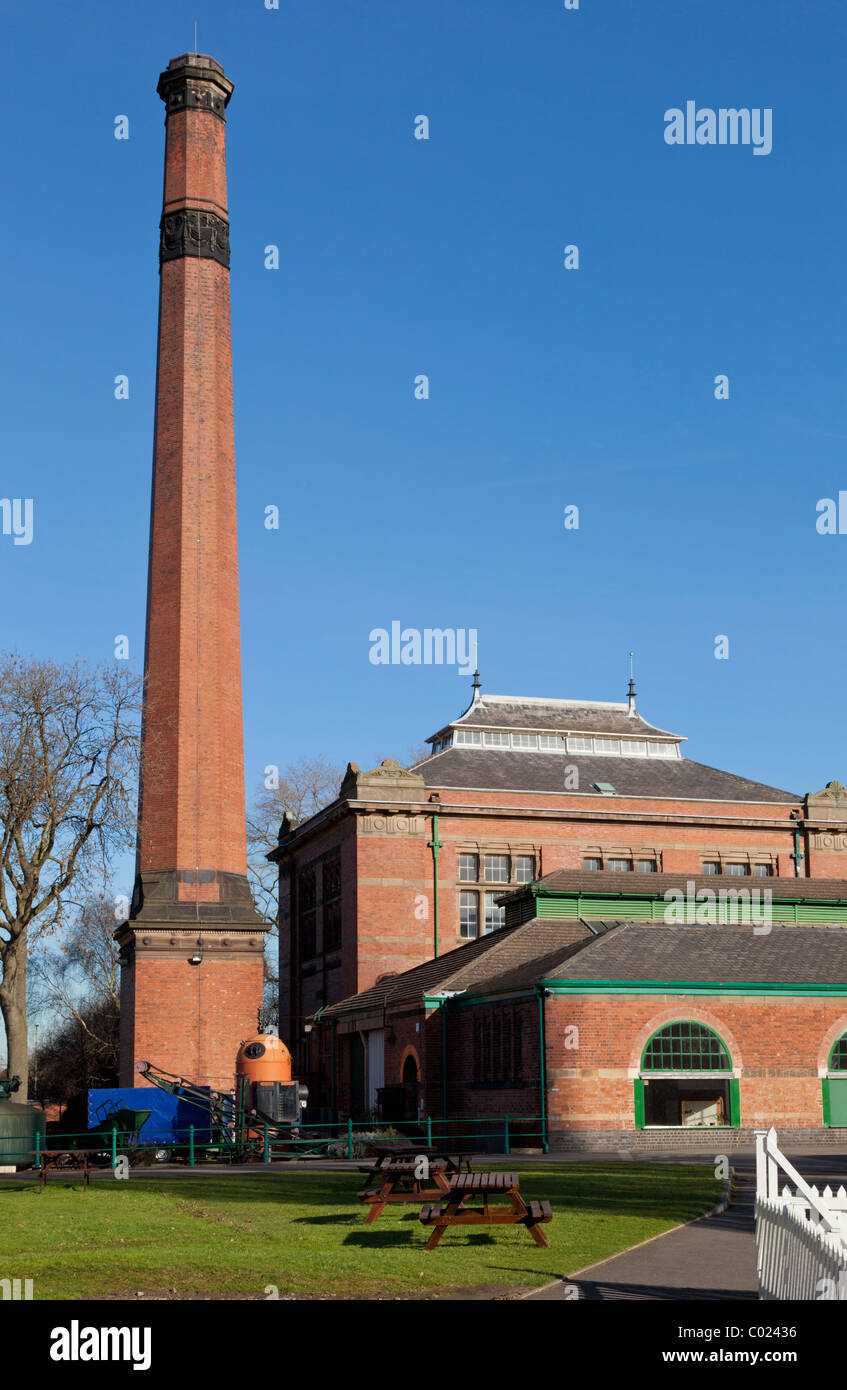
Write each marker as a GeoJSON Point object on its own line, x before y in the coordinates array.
{"type": "Point", "coordinates": [383, 805]}
{"type": "Point", "coordinates": [165, 941]}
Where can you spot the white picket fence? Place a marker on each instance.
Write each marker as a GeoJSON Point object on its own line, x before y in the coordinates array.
{"type": "Point", "coordinates": [801, 1234]}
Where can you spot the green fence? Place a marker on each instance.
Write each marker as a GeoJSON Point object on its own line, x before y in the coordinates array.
{"type": "Point", "coordinates": [346, 1139]}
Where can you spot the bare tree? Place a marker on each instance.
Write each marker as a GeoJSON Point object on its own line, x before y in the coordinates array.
{"type": "Point", "coordinates": [68, 768]}
{"type": "Point", "coordinates": [304, 788]}
{"type": "Point", "coordinates": [79, 978]}
{"type": "Point", "coordinates": [78, 1054]}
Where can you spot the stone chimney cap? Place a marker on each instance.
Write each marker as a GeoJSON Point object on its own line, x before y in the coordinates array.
{"type": "Point", "coordinates": [194, 68]}
{"type": "Point", "coordinates": [195, 60]}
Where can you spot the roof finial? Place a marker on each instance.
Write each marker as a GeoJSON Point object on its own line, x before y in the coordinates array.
{"type": "Point", "coordinates": [476, 682]}
{"type": "Point", "coordinates": [631, 691]}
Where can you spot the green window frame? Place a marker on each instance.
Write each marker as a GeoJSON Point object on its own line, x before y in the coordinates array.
{"type": "Point", "coordinates": [834, 1086]}
{"type": "Point", "coordinates": [838, 1054]}
{"type": "Point", "coordinates": [666, 1051]}
{"type": "Point", "coordinates": [686, 1045]}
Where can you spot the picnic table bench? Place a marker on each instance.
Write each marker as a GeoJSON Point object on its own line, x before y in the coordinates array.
{"type": "Point", "coordinates": [64, 1160]}
{"type": "Point", "coordinates": [511, 1211]}
{"type": "Point", "coordinates": [398, 1180]}
{"type": "Point", "coordinates": [385, 1152]}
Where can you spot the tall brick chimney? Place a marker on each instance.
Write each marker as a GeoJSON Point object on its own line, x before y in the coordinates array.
{"type": "Point", "coordinates": [192, 948]}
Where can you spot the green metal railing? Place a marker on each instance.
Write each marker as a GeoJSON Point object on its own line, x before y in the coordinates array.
{"type": "Point", "coordinates": [494, 1133]}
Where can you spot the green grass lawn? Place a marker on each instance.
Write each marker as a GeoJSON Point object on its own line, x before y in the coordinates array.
{"type": "Point", "coordinates": [304, 1232]}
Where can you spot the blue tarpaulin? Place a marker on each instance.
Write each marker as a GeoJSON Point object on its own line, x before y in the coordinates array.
{"type": "Point", "coordinates": [170, 1118]}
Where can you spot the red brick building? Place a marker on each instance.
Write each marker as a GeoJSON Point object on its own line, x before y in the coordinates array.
{"type": "Point", "coordinates": [406, 865]}
{"type": "Point", "coordinates": [593, 1029]}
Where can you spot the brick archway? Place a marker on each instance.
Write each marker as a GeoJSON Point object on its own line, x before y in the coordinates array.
{"type": "Point", "coordinates": [408, 1052]}
{"type": "Point", "coordinates": [697, 1014]}
{"type": "Point", "coordinates": [833, 1032]}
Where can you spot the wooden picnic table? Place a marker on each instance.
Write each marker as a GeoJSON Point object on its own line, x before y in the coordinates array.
{"type": "Point", "coordinates": [64, 1160]}
{"type": "Point", "coordinates": [384, 1152]}
{"type": "Point", "coordinates": [397, 1180]}
{"type": "Point", "coordinates": [511, 1211]}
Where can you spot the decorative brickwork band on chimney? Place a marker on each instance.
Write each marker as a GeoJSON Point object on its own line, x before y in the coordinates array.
{"type": "Point", "coordinates": [192, 948]}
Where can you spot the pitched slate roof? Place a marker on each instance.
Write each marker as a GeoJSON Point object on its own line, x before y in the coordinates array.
{"type": "Point", "coordinates": [470, 964]}
{"type": "Point", "coordinates": [547, 949]}
{"type": "Point", "coordinates": [714, 954]}
{"type": "Point", "coordinates": [677, 779]}
{"type": "Point", "coordinates": [607, 883]}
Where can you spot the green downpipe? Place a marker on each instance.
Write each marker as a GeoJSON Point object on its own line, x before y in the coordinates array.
{"type": "Point", "coordinates": [435, 845]}
{"type": "Point", "coordinates": [332, 1074]}
{"type": "Point", "coordinates": [542, 1047]}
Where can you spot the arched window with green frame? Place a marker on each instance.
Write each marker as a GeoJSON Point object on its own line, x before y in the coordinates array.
{"type": "Point", "coordinates": [686, 1080]}
{"type": "Point", "coordinates": [834, 1085]}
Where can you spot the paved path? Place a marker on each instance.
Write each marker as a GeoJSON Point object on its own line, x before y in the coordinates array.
{"type": "Point", "coordinates": [713, 1258]}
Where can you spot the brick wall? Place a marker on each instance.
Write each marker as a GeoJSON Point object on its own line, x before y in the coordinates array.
{"type": "Point", "coordinates": [191, 1019]}
{"type": "Point", "coordinates": [777, 1042]}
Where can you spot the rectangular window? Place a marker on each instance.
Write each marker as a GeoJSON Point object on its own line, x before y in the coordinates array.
{"type": "Point", "coordinates": [496, 740]}
{"type": "Point", "coordinates": [763, 870]}
{"type": "Point", "coordinates": [710, 866]}
{"type": "Point", "coordinates": [633, 748]}
{"type": "Point", "coordinates": [468, 868]}
{"type": "Point", "coordinates": [661, 750]}
{"type": "Point", "coordinates": [646, 866]}
{"type": "Point", "coordinates": [553, 743]}
{"type": "Point", "coordinates": [619, 866]}
{"type": "Point", "coordinates": [524, 740]}
{"type": "Point", "coordinates": [607, 745]}
{"type": "Point", "coordinates": [332, 925]}
{"type": "Point", "coordinates": [306, 916]}
{"type": "Point", "coordinates": [497, 868]}
{"type": "Point", "coordinates": [332, 901]}
{"type": "Point", "coordinates": [468, 914]}
{"type": "Point", "coordinates": [736, 870]}
{"type": "Point", "coordinates": [469, 736]}
{"type": "Point", "coordinates": [495, 917]}
{"type": "Point", "coordinates": [524, 868]}
{"type": "Point", "coordinates": [580, 745]}
{"type": "Point", "coordinates": [592, 863]}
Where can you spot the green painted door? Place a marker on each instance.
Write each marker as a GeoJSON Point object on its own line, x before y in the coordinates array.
{"type": "Point", "coordinates": [836, 1087]}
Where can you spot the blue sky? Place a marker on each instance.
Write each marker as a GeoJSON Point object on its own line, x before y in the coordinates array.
{"type": "Point", "coordinates": [548, 387]}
